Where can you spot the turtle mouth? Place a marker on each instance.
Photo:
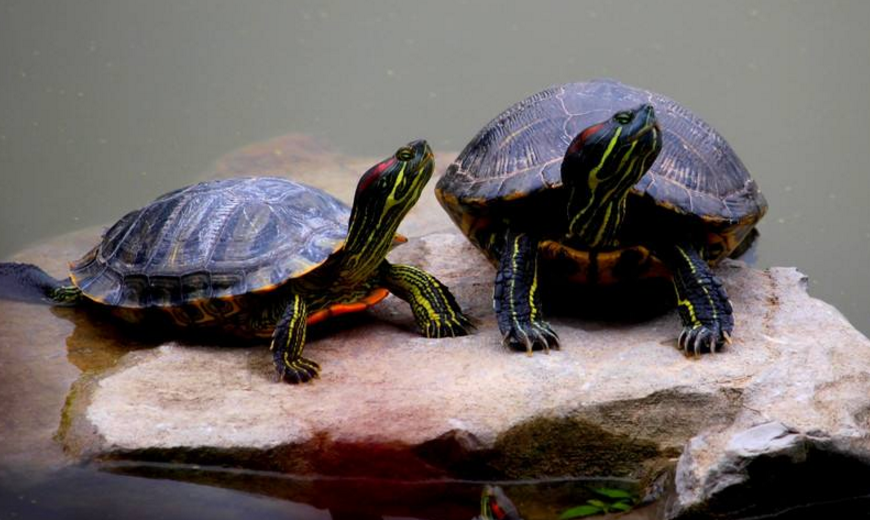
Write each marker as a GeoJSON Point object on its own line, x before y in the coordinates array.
{"type": "Point", "coordinates": [427, 163]}
{"type": "Point", "coordinates": [646, 130]}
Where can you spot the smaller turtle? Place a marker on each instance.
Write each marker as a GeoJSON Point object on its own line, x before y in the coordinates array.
{"type": "Point", "coordinates": [263, 257]}
{"type": "Point", "coordinates": [495, 505]}
{"type": "Point", "coordinates": [601, 183]}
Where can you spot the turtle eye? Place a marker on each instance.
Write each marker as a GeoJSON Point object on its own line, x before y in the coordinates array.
{"type": "Point", "coordinates": [405, 154]}
{"type": "Point", "coordinates": [623, 118]}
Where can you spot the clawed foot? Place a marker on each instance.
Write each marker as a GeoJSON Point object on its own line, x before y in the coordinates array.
{"type": "Point", "coordinates": [454, 325]}
{"type": "Point", "coordinates": [298, 371]}
{"type": "Point", "coordinates": [703, 339]}
{"type": "Point", "coordinates": [531, 335]}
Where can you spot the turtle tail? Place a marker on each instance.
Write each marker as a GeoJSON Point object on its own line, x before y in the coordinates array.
{"type": "Point", "coordinates": [29, 283]}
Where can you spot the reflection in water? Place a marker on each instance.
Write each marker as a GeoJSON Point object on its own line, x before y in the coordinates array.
{"type": "Point", "coordinates": [143, 492]}
{"type": "Point", "coordinates": [181, 492]}
{"type": "Point", "coordinates": [99, 340]}
{"type": "Point", "coordinates": [76, 493]}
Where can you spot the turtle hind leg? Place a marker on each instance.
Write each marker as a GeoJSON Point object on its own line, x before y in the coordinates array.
{"type": "Point", "coordinates": [703, 304]}
{"type": "Point", "coordinates": [515, 297]}
{"type": "Point", "coordinates": [288, 339]}
{"type": "Point", "coordinates": [29, 283]}
{"type": "Point", "coordinates": [435, 309]}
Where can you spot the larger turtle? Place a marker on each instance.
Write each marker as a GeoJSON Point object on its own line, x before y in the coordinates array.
{"type": "Point", "coordinates": [262, 256]}
{"type": "Point", "coordinates": [603, 182]}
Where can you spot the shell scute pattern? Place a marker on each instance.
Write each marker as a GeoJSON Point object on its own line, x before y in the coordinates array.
{"type": "Point", "coordinates": [520, 152]}
{"type": "Point", "coordinates": [216, 239]}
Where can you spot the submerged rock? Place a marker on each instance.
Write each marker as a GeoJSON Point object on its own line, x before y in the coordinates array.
{"type": "Point", "coordinates": [790, 400]}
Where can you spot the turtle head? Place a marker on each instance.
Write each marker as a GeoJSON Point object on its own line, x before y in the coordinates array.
{"type": "Point", "coordinates": [384, 195]}
{"type": "Point", "coordinates": [601, 165]}
{"type": "Point", "coordinates": [389, 189]}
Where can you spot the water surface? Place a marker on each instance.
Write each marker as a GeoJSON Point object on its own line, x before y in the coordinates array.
{"type": "Point", "coordinates": [105, 105]}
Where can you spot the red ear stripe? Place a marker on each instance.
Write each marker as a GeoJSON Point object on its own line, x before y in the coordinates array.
{"type": "Point", "coordinates": [373, 174]}
{"type": "Point", "coordinates": [497, 511]}
{"type": "Point", "coordinates": [578, 141]}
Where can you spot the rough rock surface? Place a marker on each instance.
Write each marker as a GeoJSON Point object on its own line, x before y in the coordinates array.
{"type": "Point", "coordinates": [616, 397]}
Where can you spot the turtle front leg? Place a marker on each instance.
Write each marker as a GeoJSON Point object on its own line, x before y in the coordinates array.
{"type": "Point", "coordinates": [702, 302]}
{"type": "Point", "coordinates": [515, 296]}
{"type": "Point", "coordinates": [435, 309]}
{"type": "Point", "coordinates": [288, 339]}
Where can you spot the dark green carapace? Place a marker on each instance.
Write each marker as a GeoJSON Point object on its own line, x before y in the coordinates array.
{"type": "Point", "coordinates": [599, 183]}
{"type": "Point", "coordinates": [262, 257]}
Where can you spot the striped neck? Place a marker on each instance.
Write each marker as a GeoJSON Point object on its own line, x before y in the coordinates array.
{"type": "Point", "coordinates": [376, 215]}
{"type": "Point", "coordinates": [600, 167]}
{"type": "Point", "coordinates": [599, 227]}
{"type": "Point", "coordinates": [596, 210]}
{"type": "Point", "coordinates": [368, 242]}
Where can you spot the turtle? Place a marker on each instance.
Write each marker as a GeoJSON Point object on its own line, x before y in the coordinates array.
{"type": "Point", "coordinates": [261, 257]}
{"type": "Point", "coordinates": [495, 505]}
{"type": "Point", "coordinates": [603, 183]}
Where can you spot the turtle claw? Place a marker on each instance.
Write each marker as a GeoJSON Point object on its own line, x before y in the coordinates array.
{"type": "Point", "coordinates": [701, 339]}
{"type": "Point", "coordinates": [299, 371]}
{"type": "Point", "coordinates": [519, 339]}
{"type": "Point", "coordinates": [530, 336]}
{"type": "Point", "coordinates": [448, 326]}
{"type": "Point", "coordinates": [552, 340]}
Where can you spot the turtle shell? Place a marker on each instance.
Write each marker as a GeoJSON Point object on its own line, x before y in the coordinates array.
{"type": "Point", "coordinates": [220, 238]}
{"type": "Point", "coordinates": [520, 153]}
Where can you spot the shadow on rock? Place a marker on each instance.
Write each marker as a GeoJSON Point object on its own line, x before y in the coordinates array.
{"type": "Point", "coordinates": [631, 302]}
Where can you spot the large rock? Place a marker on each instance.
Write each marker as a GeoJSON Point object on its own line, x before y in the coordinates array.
{"type": "Point", "coordinates": [616, 399]}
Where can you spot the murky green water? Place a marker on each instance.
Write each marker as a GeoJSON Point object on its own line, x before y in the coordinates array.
{"type": "Point", "coordinates": [105, 105]}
